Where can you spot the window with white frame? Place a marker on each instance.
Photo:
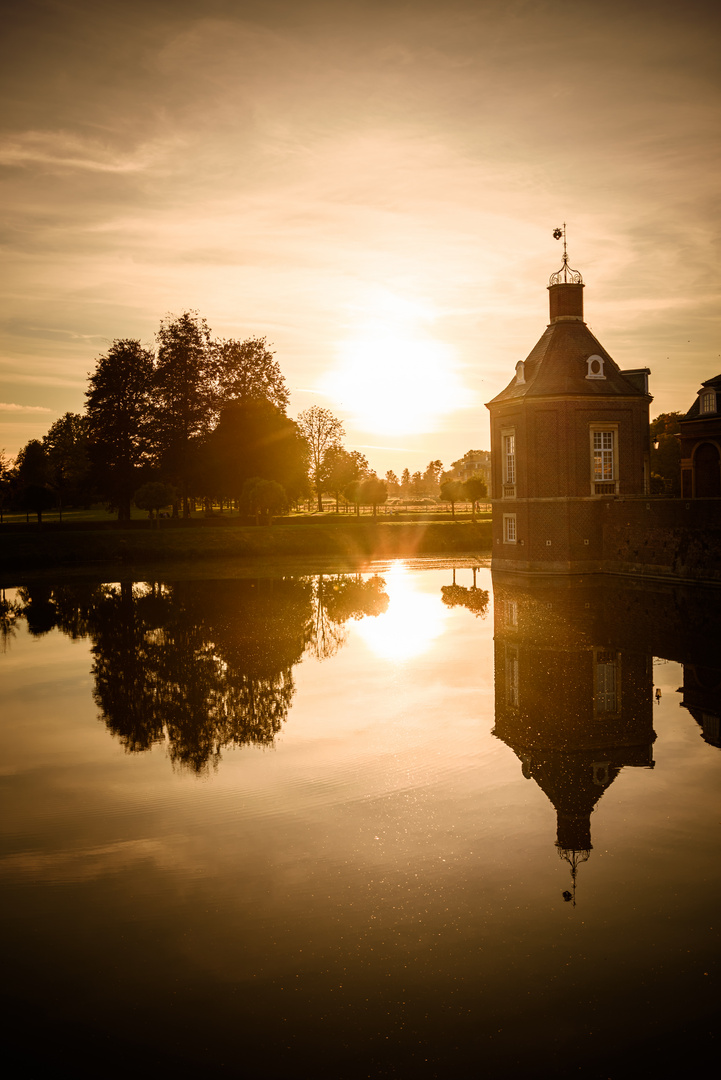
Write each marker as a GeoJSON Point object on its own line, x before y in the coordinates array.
{"type": "Point", "coordinates": [606, 682]}
{"type": "Point", "coordinates": [510, 608]}
{"type": "Point", "coordinates": [708, 402]}
{"type": "Point", "coordinates": [512, 676]}
{"type": "Point", "coordinates": [603, 449]}
{"type": "Point", "coordinates": [603, 456]}
{"type": "Point", "coordinates": [509, 458]}
{"type": "Point", "coordinates": [509, 528]}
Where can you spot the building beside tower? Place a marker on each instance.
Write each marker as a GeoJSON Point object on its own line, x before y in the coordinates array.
{"type": "Point", "coordinates": [701, 444]}
{"type": "Point", "coordinates": [568, 433]}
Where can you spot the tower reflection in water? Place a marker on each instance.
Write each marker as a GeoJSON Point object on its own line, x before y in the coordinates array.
{"type": "Point", "coordinates": [573, 701]}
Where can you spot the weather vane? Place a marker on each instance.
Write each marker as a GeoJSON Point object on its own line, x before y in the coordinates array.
{"type": "Point", "coordinates": [564, 276]}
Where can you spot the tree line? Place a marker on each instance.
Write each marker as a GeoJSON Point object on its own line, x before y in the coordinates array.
{"type": "Point", "coordinates": [194, 420]}
{"type": "Point", "coordinates": [197, 420]}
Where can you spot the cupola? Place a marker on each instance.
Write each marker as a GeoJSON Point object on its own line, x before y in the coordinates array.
{"type": "Point", "coordinates": [565, 289]}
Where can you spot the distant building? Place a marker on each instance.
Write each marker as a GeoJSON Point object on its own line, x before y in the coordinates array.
{"type": "Point", "coordinates": [700, 432]}
{"type": "Point", "coordinates": [569, 431]}
{"type": "Point", "coordinates": [473, 463]}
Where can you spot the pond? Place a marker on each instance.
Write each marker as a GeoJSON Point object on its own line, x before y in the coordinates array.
{"type": "Point", "coordinates": [413, 822]}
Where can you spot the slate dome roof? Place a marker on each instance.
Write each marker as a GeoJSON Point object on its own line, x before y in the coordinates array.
{"type": "Point", "coordinates": [558, 366]}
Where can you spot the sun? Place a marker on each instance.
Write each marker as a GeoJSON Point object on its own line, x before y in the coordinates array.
{"type": "Point", "coordinates": [393, 377]}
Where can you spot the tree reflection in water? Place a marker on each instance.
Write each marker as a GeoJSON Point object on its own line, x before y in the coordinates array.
{"type": "Point", "coordinates": [473, 598]}
{"type": "Point", "coordinates": [9, 612]}
{"type": "Point", "coordinates": [200, 665]}
{"type": "Point", "coordinates": [337, 599]}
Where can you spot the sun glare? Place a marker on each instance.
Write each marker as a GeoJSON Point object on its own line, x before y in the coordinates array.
{"type": "Point", "coordinates": [411, 623]}
{"type": "Point", "coordinates": [393, 376]}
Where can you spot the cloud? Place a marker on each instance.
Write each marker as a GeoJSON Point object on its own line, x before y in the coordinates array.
{"type": "Point", "coordinates": [6, 406]}
{"type": "Point", "coordinates": [11, 375]}
{"type": "Point", "coordinates": [66, 150]}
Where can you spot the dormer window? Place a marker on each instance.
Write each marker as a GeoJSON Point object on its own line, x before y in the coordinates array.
{"type": "Point", "coordinates": [708, 401]}
{"type": "Point", "coordinates": [595, 367]}
{"type": "Point", "coordinates": [520, 372]}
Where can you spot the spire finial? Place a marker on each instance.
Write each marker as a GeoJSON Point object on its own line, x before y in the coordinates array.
{"type": "Point", "coordinates": [564, 276]}
{"type": "Point", "coordinates": [574, 859]}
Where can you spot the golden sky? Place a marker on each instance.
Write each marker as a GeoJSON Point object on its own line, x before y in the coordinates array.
{"type": "Point", "coordinates": [371, 185]}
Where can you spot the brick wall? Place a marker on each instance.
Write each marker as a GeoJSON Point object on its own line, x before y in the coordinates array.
{"type": "Point", "coordinates": [640, 536]}
{"type": "Point", "coordinates": [673, 538]}
{"type": "Point", "coordinates": [553, 445]}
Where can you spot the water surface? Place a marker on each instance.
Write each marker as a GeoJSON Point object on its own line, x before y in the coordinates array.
{"type": "Point", "coordinates": [387, 824]}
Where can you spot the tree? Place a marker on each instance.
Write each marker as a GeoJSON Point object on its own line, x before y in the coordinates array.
{"type": "Point", "coordinates": [352, 495]}
{"type": "Point", "coordinates": [406, 482]}
{"type": "Point", "coordinates": [373, 492]}
{"type": "Point", "coordinates": [475, 489]}
{"type": "Point", "coordinates": [452, 491]}
{"type": "Point", "coordinates": [5, 481]}
{"type": "Point", "coordinates": [394, 486]}
{"type": "Point", "coordinates": [66, 444]}
{"type": "Point", "coordinates": [321, 430]}
{"type": "Point", "coordinates": [32, 473]}
{"type": "Point", "coordinates": [185, 396]}
{"type": "Point", "coordinates": [665, 459]}
{"type": "Point", "coordinates": [247, 369]}
{"type": "Point", "coordinates": [154, 496]}
{"type": "Point", "coordinates": [119, 419]}
{"type": "Point", "coordinates": [432, 476]}
{"type": "Point", "coordinates": [418, 485]}
{"type": "Point", "coordinates": [339, 468]}
{"type": "Point", "coordinates": [262, 498]}
{"type": "Point", "coordinates": [254, 438]}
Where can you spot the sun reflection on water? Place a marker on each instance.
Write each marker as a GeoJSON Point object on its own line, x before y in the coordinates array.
{"type": "Point", "coordinates": [411, 623]}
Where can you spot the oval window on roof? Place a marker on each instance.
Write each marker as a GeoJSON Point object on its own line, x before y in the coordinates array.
{"type": "Point", "coordinates": [595, 367]}
{"type": "Point", "coordinates": [520, 372]}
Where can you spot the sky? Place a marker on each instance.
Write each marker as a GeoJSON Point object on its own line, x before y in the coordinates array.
{"type": "Point", "coordinates": [372, 185]}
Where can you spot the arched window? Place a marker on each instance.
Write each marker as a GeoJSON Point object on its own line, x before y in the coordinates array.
{"type": "Point", "coordinates": [706, 471]}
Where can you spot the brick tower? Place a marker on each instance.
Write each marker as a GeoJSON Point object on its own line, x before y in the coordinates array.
{"type": "Point", "coordinates": [569, 434]}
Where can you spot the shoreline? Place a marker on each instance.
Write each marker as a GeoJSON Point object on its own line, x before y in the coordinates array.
{"type": "Point", "coordinates": [24, 553]}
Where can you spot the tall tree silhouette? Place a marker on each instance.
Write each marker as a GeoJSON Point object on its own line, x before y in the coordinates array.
{"type": "Point", "coordinates": [119, 412]}
{"type": "Point", "coordinates": [184, 395]}
{"type": "Point", "coordinates": [32, 479]}
{"type": "Point", "coordinates": [66, 445]}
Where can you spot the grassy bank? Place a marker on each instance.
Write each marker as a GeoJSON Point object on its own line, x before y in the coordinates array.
{"type": "Point", "coordinates": [45, 549]}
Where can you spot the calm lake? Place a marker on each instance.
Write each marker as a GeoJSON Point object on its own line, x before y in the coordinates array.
{"type": "Point", "coordinates": [409, 823]}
